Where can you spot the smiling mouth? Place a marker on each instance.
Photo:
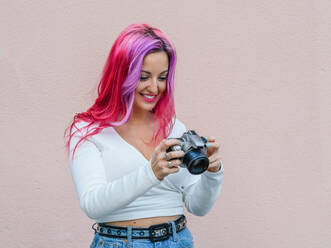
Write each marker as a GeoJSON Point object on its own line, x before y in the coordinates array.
{"type": "Point", "coordinates": [149, 98]}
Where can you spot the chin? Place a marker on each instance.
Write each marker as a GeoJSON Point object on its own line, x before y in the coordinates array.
{"type": "Point", "coordinates": [149, 108]}
{"type": "Point", "coordinates": [142, 105]}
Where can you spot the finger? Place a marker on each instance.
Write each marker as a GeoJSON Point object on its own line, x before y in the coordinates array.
{"type": "Point", "coordinates": [212, 148]}
{"type": "Point", "coordinates": [210, 138]}
{"type": "Point", "coordinates": [173, 170]}
{"type": "Point", "coordinates": [175, 154]}
{"type": "Point", "coordinates": [214, 158]}
{"type": "Point", "coordinates": [174, 167]}
{"type": "Point", "coordinates": [166, 143]}
{"type": "Point", "coordinates": [215, 163]}
{"type": "Point", "coordinates": [174, 163]}
{"type": "Point", "coordinates": [213, 145]}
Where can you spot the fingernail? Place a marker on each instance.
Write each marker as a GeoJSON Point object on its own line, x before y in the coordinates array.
{"type": "Point", "coordinates": [208, 145]}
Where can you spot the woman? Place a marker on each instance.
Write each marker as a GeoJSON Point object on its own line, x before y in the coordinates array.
{"type": "Point", "coordinates": [122, 173]}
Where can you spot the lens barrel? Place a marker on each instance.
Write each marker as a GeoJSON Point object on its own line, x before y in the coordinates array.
{"type": "Point", "coordinates": [196, 162]}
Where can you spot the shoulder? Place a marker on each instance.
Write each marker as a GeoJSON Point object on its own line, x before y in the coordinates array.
{"type": "Point", "coordinates": [82, 127]}
{"type": "Point", "coordinates": [178, 128]}
{"type": "Point", "coordinates": [179, 125]}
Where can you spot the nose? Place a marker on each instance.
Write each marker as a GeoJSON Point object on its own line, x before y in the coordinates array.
{"type": "Point", "coordinates": [153, 86]}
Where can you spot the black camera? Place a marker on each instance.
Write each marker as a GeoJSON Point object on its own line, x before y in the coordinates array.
{"type": "Point", "coordinates": [195, 148]}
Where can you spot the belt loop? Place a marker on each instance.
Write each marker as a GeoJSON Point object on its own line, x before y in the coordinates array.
{"type": "Point", "coordinates": [174, 233]}
{"type": "Point", "coordinates": [129, 235]}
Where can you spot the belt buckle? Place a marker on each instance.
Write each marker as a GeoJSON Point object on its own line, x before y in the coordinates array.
{"type": "Point", "coordinates": [159, 232]}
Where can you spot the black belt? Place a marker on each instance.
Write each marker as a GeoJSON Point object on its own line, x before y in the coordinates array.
{"type": "Point", "coordinates": [154, 233]}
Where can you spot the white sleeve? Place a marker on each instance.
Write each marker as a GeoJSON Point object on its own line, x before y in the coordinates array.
{"type": "Point", "coordinates": [200, 192]}
{"type": "Point", "coordinates": [97, 196]}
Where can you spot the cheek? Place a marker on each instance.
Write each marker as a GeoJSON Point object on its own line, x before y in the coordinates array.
{"type": "Point", "coordinates": [137, 96]}
{"type": "Point", "coordinates": [163, 87]}
{"type": "Point", "coordinates": [138, 89]}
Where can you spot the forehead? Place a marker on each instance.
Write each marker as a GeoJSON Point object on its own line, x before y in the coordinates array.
{"type": "Point", "coordinates": [156, 61]}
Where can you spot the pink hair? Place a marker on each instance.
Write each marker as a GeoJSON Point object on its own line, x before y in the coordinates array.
{"type": "Point", "coordinates": [120, 77]}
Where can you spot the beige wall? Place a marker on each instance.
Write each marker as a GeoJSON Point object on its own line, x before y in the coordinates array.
{"type": "Point", "coordinates": [255, 74]}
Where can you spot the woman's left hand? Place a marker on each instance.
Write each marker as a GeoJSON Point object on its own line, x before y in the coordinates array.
{"type": "Point", "coordinates": [213, 155]}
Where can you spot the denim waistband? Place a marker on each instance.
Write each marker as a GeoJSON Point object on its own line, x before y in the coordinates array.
{"type": "Point", "coordinates": [154, 233]}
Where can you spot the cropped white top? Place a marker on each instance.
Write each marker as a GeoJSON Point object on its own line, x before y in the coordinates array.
{"type": "Point", "coordinates": [115, 182]}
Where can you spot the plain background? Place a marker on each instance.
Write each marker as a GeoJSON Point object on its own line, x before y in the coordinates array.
{"type": "Point", "coordinates": [254, 74]}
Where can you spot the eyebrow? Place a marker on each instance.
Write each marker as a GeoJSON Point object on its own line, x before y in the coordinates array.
{"type": "Point", "coordinates": [150, 73]}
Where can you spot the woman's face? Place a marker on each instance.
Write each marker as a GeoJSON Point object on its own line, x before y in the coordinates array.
{"type": "Point", "coordinates": [153, 81]}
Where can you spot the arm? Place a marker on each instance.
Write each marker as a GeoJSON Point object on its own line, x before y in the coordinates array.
{"type": "Point", "coordinates": [97, 196]}
{"type": "Point", "coordinates": [200, 192]}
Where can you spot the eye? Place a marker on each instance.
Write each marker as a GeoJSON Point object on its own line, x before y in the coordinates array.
{"type": "Point", "coordinates": [143, 78]}
{"type": "Point", "coordinates": [163, 78]}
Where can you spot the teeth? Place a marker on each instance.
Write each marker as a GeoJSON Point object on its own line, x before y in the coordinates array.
{"type": "Point", "coordinates": [150, 97]}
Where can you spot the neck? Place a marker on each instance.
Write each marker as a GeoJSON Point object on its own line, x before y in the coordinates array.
{"type": "Point", "coordinates": [141, 118]}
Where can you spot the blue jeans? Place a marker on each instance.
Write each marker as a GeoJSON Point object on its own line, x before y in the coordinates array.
{"type": "Point", "coordinates": [182, 239]}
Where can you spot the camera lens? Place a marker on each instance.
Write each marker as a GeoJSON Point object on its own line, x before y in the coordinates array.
{"type": "Point", "coordinates": [196, 162]}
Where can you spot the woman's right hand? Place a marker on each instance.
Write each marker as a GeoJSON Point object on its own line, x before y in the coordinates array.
{"type": "Point", "coordinates": [159, 162]}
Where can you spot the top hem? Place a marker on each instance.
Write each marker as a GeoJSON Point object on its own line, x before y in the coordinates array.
{"type": "Point", "coordinates": [140, 216]}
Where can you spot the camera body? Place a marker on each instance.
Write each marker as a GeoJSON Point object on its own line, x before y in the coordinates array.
{"type": "Point", "coordinates": [195, 148]}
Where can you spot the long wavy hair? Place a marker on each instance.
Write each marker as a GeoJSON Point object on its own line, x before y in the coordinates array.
{"type": "Point", "coordinates": [120, 77]}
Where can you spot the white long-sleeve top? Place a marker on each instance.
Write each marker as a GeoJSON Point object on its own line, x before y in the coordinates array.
{"type": "Point", "coordinates": [115, 182]}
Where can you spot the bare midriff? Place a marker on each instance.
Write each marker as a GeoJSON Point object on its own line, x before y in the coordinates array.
{"type": "Point", "coordinates": [144, 222]}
